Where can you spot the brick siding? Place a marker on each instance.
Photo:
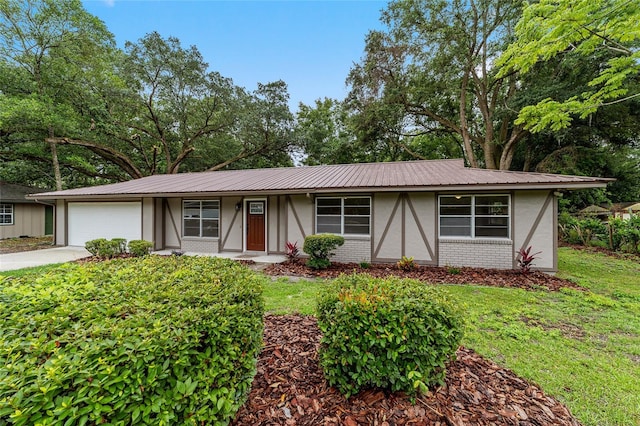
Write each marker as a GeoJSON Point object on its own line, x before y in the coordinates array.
{"type": "Point", "coordinates": [476, 253]}
{"type": "Point", "coordinates": [199, 245]}
{"type": "Point", "coordinates": [354, 250]}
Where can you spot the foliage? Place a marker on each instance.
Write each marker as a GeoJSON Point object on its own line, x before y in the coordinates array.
{"type": "Point", "coordinates": [365, 265]}
{"type": "Point", "coordinates": [387, 333]}
{"type": "Point", "coordinates": [525, 259]}
{"type": "Point", "coordinates": [430, 74]}
{"type": "Point", "coordinates": [616, 234]}
{"type": "Point", "coordinates": [292, 251]}
{"type": "Point", "coordinates": [106, 249]}
{"type": "Point", "coordinates": [584, 27]}
{"type": "Point", "coordinates": [319, 248]}
{"type": "Point", "coordinates": [153, 340]}
{"type": "Point", "coordinates": [406, 263]}
{"type": "Point", "coordinates": [140, 247]}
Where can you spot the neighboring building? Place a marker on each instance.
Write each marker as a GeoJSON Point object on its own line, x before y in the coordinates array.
{"type": "Point", "coordinates": [20, 216]}
{"type": "Point", "coordinates": [625, 210]}
{"type": "Point", "coordinates": [439, 212]}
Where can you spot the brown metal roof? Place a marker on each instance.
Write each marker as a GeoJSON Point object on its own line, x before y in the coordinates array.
{"type": "Point", "coordinates": [440, 175]}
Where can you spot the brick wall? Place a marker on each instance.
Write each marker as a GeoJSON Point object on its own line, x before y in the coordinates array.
{"type": "Point", "coordinates": [476, 253]}
{"type": "Point", "coordinates": [199, 245]}
{"type": "Point", "coordinates": [354, 250]}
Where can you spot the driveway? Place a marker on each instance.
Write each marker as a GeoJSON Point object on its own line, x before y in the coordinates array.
{"type": "Point", "coordinates": [11, 261]}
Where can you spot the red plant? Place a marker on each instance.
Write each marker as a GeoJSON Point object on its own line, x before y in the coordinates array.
{"type": "Point", "coordinates": [525, 259]}
{"type": "Point", "coordinates": [292, 251]}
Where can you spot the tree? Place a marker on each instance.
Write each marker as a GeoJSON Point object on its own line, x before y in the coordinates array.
{"type": "Point", "coordinates": [585, 28]}
{"type": "Point", "coordinates": [47, 45]}
{"type": "Point", "coordinates": [431, 72]}
{"type": "Point", "coordinates": [324, 135]}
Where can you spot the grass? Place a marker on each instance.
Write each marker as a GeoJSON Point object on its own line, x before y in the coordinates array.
{"type": "Point", "coordinates": [30, 270]}
{"type": "Point", "coordinates": [581, 347]}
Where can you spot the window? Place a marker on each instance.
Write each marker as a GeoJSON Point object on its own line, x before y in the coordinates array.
{"type": "Point", "coordinates": [6, 214]}
{"type": "Point", "coordinates": [474, 216]}
{"type": "Point", "coordinates": [343, 215]}
{"type": "Point", "coordinates": [201, 218]}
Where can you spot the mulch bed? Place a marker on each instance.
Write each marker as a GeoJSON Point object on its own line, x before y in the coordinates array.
{"type": "Point", "coordinates": [440, 275]}
{"type": "Point", "coordinates": [289, 389]}
{"type": "Point", "coordinates": [19, 245]}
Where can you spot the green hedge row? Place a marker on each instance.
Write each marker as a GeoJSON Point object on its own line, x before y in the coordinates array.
{"type": "Point", "coordinates": [153, 340]}
{"type": "Point", "coordinates": [392, 333]}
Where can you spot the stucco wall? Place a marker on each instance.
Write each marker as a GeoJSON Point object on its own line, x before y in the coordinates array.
{"type": "Point", "coordinates": [28, 219]}
{"type": "Point", "coordinates": [60, 221]}
{"type": "Point", "coordinates": [148, 219]}
{"type": "Point", "coordinates": [534, 218]}
{"type": "Point", "coordinates": [276, 216]}
{"type": "Point", "coordinates": [299, 218]}
{"type": "Point", "coordinates": [230, 224]}
{"type": "Point", "coordinates": [403, 225]}
{"type": "Point", "coordinates": [173, 223]}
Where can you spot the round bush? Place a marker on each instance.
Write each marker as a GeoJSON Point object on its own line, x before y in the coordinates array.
{"type": "Point", "coordinates": [395, 334]}
{"type": "Point", "coordinates": [140, 341]}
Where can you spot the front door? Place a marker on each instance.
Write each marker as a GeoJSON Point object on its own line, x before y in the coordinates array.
{"type": "Point", "coordinates": [255, 225]}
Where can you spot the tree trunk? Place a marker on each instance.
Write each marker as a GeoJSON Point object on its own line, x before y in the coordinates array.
{"type": "Point", "coordinates": [54, 160]}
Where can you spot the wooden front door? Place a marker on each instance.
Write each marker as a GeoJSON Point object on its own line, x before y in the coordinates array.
{"type": "Point", "coordinates": [255, 225]}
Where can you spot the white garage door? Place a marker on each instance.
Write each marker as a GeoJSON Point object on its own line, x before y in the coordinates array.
{"type": "Point", "coordinates": [88, 221]}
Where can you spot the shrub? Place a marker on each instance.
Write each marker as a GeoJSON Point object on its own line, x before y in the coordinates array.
{"type": "Point", "coordinates": [119, 245]}
{"type": "Point", "coordinates": [152, 340]}
{"type": "Point", "coordinates": [140, 247]}
{"type": "Point", "coordinates": [392, 333]}
{"type": "Point", "coordinates": [525, 259]}
{"type": "Point", "coordinates": [406, 263]}
{"type": "Point", "coordinates": [292, 251]}
{"type": "Point", "coordinates": [319, 248]}
{"type": "Point", "coordinates": [103, 248]}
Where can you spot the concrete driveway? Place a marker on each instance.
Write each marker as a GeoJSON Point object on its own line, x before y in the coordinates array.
{"type": "Point", "coordinates": [26, 259]}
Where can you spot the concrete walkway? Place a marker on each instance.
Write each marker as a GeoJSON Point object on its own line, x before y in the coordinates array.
{"type": "Point", "coordinates": [26, 259]}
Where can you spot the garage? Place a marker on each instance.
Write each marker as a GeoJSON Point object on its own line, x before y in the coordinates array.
{"type": "Point", "coordinates": [88, 221]}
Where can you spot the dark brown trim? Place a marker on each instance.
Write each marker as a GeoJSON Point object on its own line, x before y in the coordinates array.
{"type": "Point", "coordinates": [436, 226]}
{"type": "Point", "coordinates": [295, 215]}
{"type": "Point", "coordinates": [173, 222]}
{"type": "Point", "coordinates": [403, 225]}
{"type": "Point", "coordinates": [514, 256]}
{"type": "Point", "coordinates": [286, 219]}
{"type": "Point", "coordinates": [233, 221]}
{"type": "Point", "coordinates": [555, 232]}
{"type": "Point", "coordinates": [534, 227]}
{"type": "Point", "coordinates": [419, 225]}
{"type": "Point", "coordinates": [278, 213]}
{"type": "Point", "coordinates": [386, 228]}
{"type": "Point", "coordinates": [372, 222]}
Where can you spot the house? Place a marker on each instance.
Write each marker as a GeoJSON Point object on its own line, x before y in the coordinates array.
{"type": "Point", "coordinates": [439, 212]}
{"type": "Point", "coordinates": [23, 217]}
{"type": "Point", "coordinates": [625, 210]}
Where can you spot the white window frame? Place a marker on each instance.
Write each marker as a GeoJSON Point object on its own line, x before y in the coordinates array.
{"type": "Point", "coordinates": [7, 209]}
{"type": "Point", "coordinates": [201, 218]}
{"type": "Point", "coordinates": [473, 216]}
{"type": "Point", "coordinates": [342, 199]}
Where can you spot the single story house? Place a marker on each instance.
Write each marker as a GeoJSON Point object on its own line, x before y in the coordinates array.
{"type": "Point", "coordinates": [22, 217]}
{"type": "Point", "coordinates": [438, 212]}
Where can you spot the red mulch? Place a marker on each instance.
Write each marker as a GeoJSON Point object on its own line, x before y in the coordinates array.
{"type": "Point", "coordinates": [289, 389]}
{"type": "Point", "coordinates": [433, 274]}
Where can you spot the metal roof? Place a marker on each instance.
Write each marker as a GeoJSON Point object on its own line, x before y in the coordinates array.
{"type": "Point", "coordinates": [432, 175]}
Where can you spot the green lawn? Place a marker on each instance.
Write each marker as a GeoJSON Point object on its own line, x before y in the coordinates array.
{"type": "Point", "coordinates": [582, 348]}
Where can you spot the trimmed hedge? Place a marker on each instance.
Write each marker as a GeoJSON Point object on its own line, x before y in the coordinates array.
{"type": "Point", "coordinates": [395, 334]}
{"type": "Point", "coordinates": [319, 248]}
{"type": "Point", "coordinates": [153, 340]}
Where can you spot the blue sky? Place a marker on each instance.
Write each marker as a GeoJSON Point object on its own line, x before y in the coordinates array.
{"type": "Point", "coordinates": [311, 45]}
